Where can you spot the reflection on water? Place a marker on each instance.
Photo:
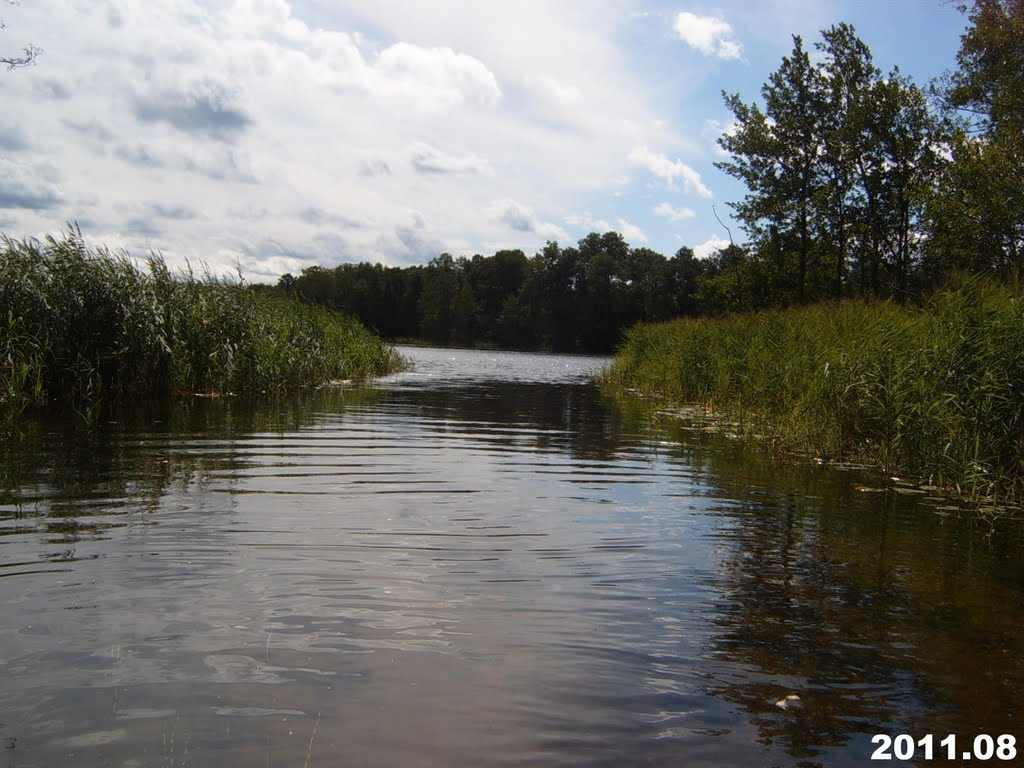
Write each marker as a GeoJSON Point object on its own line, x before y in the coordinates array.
{"type": "Point", "coordinates": [479, 562]}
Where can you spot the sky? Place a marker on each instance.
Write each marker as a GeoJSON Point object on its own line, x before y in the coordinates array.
{"type": "Point", "coordinates": [266, 136]}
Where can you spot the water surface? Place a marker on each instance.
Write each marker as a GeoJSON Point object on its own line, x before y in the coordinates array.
{"type": "Point", "coordinates": [480, 562]}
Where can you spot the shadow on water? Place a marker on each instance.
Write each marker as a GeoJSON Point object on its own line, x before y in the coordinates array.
{"type": "Point", "coordinates": [482, 562]}
{"type": "Point", "coordinates": [59, 465]}
{"type": "Point", "coordinates": [879, 608]}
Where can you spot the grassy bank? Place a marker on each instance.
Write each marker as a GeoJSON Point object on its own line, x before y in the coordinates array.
{"type": "Point", "coordinates": [79, 325]}
{"type": "Point", "coordinates": [935, 392]}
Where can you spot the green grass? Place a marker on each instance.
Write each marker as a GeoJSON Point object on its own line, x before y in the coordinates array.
{"type": "Point", "coordinates": [80, 325]}
{"type": "Point", "coordinates": [935, 392]}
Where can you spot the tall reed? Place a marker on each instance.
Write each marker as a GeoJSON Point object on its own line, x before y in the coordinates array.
{"type": "Point", "coordinates": [935, 391]}
{"type": "Point", "coordinates": [78, 325]}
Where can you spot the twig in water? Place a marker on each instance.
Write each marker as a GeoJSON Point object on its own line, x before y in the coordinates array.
{"type": "Point", "coordinates": [311, 739]}
{"type": "Point", "coordinates": [115, 654]}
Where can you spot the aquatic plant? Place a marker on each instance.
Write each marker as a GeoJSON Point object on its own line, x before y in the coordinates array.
{"type": "Point", "coordinates": [80, 325]}
{"type": "Point", "coordinates": [934, 391]}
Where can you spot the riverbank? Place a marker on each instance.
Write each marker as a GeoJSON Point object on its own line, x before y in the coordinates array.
{"type": "Point", "coordinates": [934, 392]}
{"type": "Point", "coordinates": [80, 325]}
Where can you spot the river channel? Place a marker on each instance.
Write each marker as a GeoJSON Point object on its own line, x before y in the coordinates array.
{"type": "Point", "coordinates": [484, 561]}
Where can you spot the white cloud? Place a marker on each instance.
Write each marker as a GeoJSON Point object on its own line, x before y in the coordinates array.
{"type": "Point", "coordinates": [513, 214]}
{"type": "Point", "coordinates": [556, 92]}
{"type": "Point", "coordinates": [709, 35]}
{"type": "Point", "coordinates": [453, 76]}
{"type": "Point", "coordinates": [206, 106]}
{"type": "Point", "coordinates": [666, 210]}
{"type": "Point", "coordinates": [427, 159]}
{"type": "Point", "coordinates": [670, 171]}
{"type": "Point", "coordinates": [630, 232]}
{"type": "Point", "coordinates": [709, 247]}
{"type": "Point", "coordinates": [520, 218]}
{"type": "Point", "coordinates": [586, 223]}
{"type": "Point", "coordinates": [22, 188]}
{"type": "Point", "coordinates": [301, 133]}
{"type": "Point", "coordinates": [270, 18]}
{"type": "Point", "coordinates": [411, 240]}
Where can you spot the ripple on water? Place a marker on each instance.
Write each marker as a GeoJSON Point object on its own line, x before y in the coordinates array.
{"type": "Point", "coordinates": [480, 562]}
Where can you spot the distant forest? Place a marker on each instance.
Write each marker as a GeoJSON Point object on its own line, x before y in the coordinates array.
{"type": "Point", "coordinates": [562, 299]}
{"type": "Point", "coordinates": [859, 184]}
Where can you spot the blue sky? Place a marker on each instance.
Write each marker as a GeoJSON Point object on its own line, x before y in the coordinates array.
{"type": "Point", "coordinates": [271, 135]}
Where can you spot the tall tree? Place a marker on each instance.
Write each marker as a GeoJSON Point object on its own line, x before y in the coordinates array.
{"type": "Point", "coordinates": [601, 295]}
{"type": "Point", "coordinates": [734, 280]}
{"type": "Point", "coordinates": [835, 166]}
{"type": "Point", "coordinates": [977, 214]}
{"type": "Point", "coordinates": [685, 272]}
{"type": "Point", "coordinates": [649, 286]}
{"type": "Point", "coordinates": [446, 304]}
{"type": "Point", "coordinates": [903, 135]}
{"type": "Point", "coordinates": [493, 280]}
{"type": "Point", "coordinates": [848, 201]}
{"type": "Point", "coordinates": [777, 154]}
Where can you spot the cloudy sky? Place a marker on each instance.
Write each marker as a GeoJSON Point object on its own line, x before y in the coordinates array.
{"type": "Point", "coordinates": [275, 134]}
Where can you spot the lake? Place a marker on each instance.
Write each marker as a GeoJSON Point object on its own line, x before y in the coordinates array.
{"type": "Point", "coordinates": [484, 561]}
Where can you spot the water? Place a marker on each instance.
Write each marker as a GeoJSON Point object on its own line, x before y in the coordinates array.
{"type": "Point", "coordinates": [482, 562]}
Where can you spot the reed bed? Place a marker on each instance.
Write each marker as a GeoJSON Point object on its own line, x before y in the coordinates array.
{"type": "Point", "coordinates": [82, 325]}
{"type": "Point", "coordinates": [934, 392]}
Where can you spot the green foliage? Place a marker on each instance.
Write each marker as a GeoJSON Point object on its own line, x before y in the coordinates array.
{"type": "Point", "coordinates": [837, 165]}
{"type": "Point", "coordinates": [78, 325]}
{"type": "Point", "coordinates": [446, 304]}
{"type": "Point", "coordinates": [976, 212]}
{"type": "Point", "coordinates": [990, 80]}
{"type": "Point", "coordinates": [935, 391]}
{"type": "Point", "coordinates": [565, 299]}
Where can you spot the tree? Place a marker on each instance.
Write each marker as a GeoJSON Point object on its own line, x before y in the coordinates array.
{"type": "Point", "coordinates": [493, 279]}
{"type": "Point", "coordinates": [317, 285]}
{"type": "Point", "coordinates": [601, 291]}
{"type": "Point", "coordinates": [650, 287]}
{"type": "Point", "coordinates": [685, 273]}
{"type": "Point", "coordinates": [446, 305]}
{"type": "Point", "coordinates": [977, 213]}
{"type": "Point", "coordinates": [777, 154]}
{"type": "Point", "coordinates": [989, 85]}
{"type": "Point", "coordinates": [287, 283]}
{"type": "Point", "coordinates": [879, 162]}
{"type": "Point", "coordinates": [29, 52]}
{"type": "Point", "coordinates": [734, 280]}
{"type": "Point", "coordinates": [847, 202]}
{"type": "Point", "coordinates": [903, 134]}
{"type": "Point", "coordinates": [836, 167]}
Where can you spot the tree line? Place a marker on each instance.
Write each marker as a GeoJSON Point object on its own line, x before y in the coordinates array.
{"type": "Point", "coordinates": [859, 184]}
{"type": "Point", "coordinates": [567, 299]}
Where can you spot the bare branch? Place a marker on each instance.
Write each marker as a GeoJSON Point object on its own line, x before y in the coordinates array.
{"type": "Point", "coordinates": [723, 224]}
{"type": "Point", "coordinates": [29, 52]}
